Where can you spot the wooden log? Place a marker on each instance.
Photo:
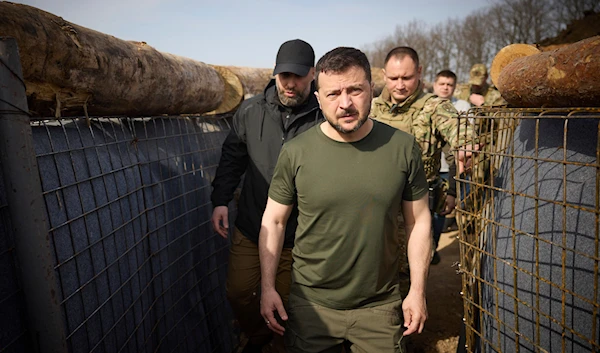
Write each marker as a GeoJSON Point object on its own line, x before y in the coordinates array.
{"type": "Point", "coordinates": [507, 55]}
{"type": "Point", "coordinates": [254, 80]}
{"type": "Point", "coordinates": [565, 77]}
{"type": "Point", "coordinates": [69, 69]}
{"type": "Point", "coordinates": [233, 92]}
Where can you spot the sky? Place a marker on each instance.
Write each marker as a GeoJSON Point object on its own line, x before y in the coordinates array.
{"type": "Point", "coordinates": [248, 33]}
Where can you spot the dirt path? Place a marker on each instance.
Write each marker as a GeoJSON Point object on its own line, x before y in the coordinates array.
{"type": "Point", "coordinates": [444, 302]}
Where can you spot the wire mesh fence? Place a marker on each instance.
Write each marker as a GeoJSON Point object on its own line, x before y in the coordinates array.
{"type": "Point", "coordinates": [128, 207]}
{"type": "Point", "coordinates": [529, 223]}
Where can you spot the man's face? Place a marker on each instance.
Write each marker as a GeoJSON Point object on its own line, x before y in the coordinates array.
{"type": "Point", "coordinates": [293, 90]}
{"type": "Point", "coordinates": [444, 87]}
{"type": "Point", "coordinates": [345, 99]}
{"type": "Point", "coordinates": [402, 78]}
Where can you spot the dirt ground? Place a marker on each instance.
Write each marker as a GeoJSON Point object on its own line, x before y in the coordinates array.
{"type": "Point", "coordinates": [444, 302]}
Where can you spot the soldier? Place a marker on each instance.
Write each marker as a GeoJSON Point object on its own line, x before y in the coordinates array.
{"type": "Point", "coordinates": [432, 120]}
{"type": "Point", "coordinates": [444, 86]}
{"type": "Point", "coordinates": [478, 92]}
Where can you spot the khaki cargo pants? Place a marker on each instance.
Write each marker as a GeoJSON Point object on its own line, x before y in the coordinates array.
{"type": "Point", "coordinates": [313, 328]}
{"type": "Point", "coordinates": [243, 285]}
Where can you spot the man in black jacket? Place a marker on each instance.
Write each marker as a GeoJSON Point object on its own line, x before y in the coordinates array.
{"type": "Point", "coordinates": [261, 125]}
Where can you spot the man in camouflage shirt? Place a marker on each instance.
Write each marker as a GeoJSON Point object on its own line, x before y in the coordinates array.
{"type": "Point", "coordinates": [432, 120]}
{"type": "Point", "coordinates": [478, 92]}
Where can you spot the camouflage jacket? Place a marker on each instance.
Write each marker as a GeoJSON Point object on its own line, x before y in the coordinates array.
{"type": "Point", "coordinates": [492, 95]}
{"type": "Point", "coordinates": [432, 120]}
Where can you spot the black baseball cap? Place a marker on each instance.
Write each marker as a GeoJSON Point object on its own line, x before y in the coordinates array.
{"type": "Point", "coordinates": [295, 56]}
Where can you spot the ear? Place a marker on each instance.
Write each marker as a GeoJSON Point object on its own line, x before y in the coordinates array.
{"type": "Point", "coordinates": [311, 72]}
{"type": "Point", "coordinates": [420, 70]}
{"type": "Point", "coordinates": [318, 100]}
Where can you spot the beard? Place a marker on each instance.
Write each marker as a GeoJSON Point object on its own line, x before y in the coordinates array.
{"type": "Point", "coordinates": [360, 122]}
{"type": "Point", "coordinates": [296, 100]}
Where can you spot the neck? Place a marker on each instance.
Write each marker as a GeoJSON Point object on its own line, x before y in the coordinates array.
{"type": "Point", "coordinates": [358, 135]}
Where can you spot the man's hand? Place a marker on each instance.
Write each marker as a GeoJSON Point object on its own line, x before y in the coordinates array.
{"type": "Point", "coordinates": [476, 99]}
{"type": "Point", "coordinates": [220, 220]}
{"type": "Point", "coordinates": [449, 205]}
{"type": "Point", "coordinates": [414, 308]}
{"type": "Point", "coordinates": [270, 302]}
{"type": "Point", "coordinates": [464, 157]}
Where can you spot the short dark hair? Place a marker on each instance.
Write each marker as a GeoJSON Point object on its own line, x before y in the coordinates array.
{"type": "Point", "coordinates": [341, 59]}
{"type": "Point", "coordinates": [446, 73]}
{"type": "Point", "coordinates": [400, 53]}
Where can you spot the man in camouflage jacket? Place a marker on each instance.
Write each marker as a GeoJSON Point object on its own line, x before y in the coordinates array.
{"type": "Point", "coordinates": [432, 120]}
{"type": "Point", "coordinates": [478, 92]}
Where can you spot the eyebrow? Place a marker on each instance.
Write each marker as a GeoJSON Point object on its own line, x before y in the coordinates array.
{"type": "Point", "coordinates": [349, 87]}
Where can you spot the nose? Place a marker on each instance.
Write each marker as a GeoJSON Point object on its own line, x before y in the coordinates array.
{"type": "Point", "coordinates": [345, 100]}
{"type": "Point", "coordinates": [291, 82]}
{"type": "Point", "coordinates": [400, 84]}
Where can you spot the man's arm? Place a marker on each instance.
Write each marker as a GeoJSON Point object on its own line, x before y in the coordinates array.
{"type": "Point", "coordinates": [417, 222]}
{"type": "Point", "coordinates": [232, 165]}
{"type": "Point", "coordinates": [450, 202]}
{"type": "Point", "coordinates": [270, 242]}
{"type": "Point", "coordinates": [460, 135]}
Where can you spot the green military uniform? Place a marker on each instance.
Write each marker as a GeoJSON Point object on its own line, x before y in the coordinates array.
{"type": "Point", "coordinates": [430, 119]}
{"type": "Point", "coordinates": [480, 170]}
{"type": "Point", "coordinates": [433, 122]}
{"type": "Point", "coordinates": [492, 95]}
{"type": "Point", "coordinates": [478, 84]}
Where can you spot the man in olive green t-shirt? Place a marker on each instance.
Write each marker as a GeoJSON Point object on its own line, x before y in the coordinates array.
{"type": "Point", "coordinates": [344, 279]}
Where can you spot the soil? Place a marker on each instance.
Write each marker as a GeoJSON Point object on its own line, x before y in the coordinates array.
{"type": "Point", "coordinates": [444, 302]}
{"type": "Point", "coordinates": [586, 27]}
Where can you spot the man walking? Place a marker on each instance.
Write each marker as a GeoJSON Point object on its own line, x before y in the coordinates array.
{"type": "Point", "coordinates": [432, 120]}
{"type": "Point", "coordinates": [261, 126]}
{"type": "Point", "coordinates": [349, 177]}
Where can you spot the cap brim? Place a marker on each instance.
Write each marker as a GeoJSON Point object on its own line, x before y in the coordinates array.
{"type": "Point", "coordinates": [478, 81]}
{"type": "Point", "coordinates": [300, 70]}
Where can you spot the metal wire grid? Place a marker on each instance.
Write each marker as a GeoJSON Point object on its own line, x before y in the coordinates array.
{"type": "Point", "coordinates": [13, 331]}
{"type": "Point", "coordinates": [128, 203]}
{"type": "Point", "coordinates": [529, 225]}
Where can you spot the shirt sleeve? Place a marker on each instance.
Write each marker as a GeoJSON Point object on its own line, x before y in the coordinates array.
{"type": "Point", "coordinates": [416, 186]}
{"type": "Point", "coordinates": [283, 188]}
{"type": "Point", "coordinates": [456, 132]}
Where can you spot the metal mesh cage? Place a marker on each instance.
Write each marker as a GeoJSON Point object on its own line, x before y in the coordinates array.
{"type": "Point", "coordinates": [128, 200]}
{"type": "Point", "coordinates": [529, 219]}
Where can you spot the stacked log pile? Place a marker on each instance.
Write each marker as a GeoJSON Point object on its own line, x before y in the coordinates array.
{"type": "Point", "coordinates": [565, 77]}
{"type": "Point", "coordinates": [557, 72]}
{"type": "Point", "coordinates": [70, 70]}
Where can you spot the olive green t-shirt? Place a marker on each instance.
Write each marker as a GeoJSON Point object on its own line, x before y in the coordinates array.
{"type": "Point", "coordinates": [349, 194]}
